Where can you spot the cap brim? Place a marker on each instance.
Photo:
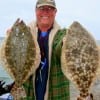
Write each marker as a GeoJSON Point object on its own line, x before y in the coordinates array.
{"type": "Point", "coordinates": [45, 4]}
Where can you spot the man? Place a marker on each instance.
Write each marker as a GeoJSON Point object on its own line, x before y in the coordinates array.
{"type": "Point", "coordinates": [49, 83]}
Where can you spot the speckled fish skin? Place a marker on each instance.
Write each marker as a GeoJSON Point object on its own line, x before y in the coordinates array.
{"type": "Point", "coordinates": [80, 58]}
{"type": "Point", "coordinates": [20, 56]}
{"type": "Point", "coordinates": [20, 52]}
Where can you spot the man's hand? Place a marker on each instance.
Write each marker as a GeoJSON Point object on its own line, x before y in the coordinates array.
{"type": "Point", "coordinates": [90, 97]}
{"type": "Point", "coordinates": [8, 31]}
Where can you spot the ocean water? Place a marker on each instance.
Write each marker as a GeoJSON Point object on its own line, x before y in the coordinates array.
{"type": "Point", "coordinates": [4, 75]}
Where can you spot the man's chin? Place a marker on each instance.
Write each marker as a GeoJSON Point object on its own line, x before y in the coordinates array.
{"type": "Point", "coordinates": [44, 23]}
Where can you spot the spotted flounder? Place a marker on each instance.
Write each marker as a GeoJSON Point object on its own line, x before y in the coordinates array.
{"type": "Point", "coordinates": [80, 58]}
{"type": "Point", "coordinates": [20, 52]}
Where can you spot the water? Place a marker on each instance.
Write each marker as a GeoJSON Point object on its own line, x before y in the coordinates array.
{"type": "Point", "coordinates": [3, 73]}
{"type": "Point", "coordinates": [5, 76]}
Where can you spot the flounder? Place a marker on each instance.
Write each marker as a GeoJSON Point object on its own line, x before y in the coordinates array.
{"type": "Point", "coordinates": [80, 58]}
{"type": "Point", "coordinates": [20, 55]}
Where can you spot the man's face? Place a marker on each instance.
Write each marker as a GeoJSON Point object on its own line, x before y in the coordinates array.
{"type": "Point", "coordinates": [45, 15]}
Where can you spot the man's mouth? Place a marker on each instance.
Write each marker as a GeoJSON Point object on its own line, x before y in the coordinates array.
{"type": "Point", "coordinates": [44, 17]}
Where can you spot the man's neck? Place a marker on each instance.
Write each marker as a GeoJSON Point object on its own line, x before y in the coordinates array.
{"type": "Point", "coordinates": [44, 28]}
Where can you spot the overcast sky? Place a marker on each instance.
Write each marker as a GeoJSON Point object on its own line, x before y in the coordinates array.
{"type": "Point", "coordinates": [87, 12]}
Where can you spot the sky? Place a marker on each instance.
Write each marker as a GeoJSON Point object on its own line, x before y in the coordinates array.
{"type": "Point", "coordinates": [86, 12]}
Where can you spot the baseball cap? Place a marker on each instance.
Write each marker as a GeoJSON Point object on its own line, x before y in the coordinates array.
{"type": "Point", "coordinates": [45, 3]}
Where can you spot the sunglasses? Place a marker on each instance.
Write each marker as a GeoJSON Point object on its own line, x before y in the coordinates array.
{"type": "Point", "coordinates": [43, 8]}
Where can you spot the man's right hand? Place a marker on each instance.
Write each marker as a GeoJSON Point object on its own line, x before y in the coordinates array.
{"type": "Point", "coordinates": [8, 31]}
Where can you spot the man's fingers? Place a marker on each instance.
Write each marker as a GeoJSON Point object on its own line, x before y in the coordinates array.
{"type": "Point", "coordinates": [8, 31]}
